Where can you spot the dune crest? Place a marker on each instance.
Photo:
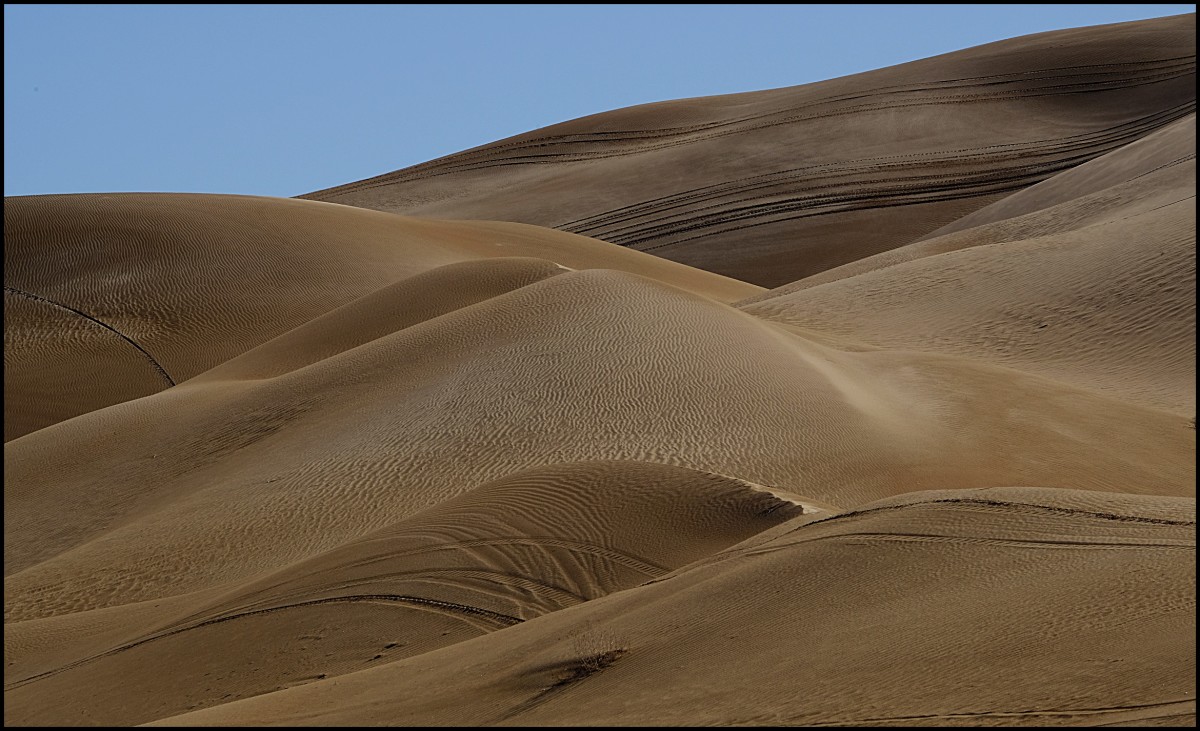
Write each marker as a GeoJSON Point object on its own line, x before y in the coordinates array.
{"type": "Point", "coordinates": [928, 572]}
{"type": "Point", "coordinates": [773, 186]}
{"type": "Point", "coordinates": [361, 459]}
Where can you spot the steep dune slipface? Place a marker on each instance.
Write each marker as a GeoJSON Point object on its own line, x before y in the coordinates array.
{"type": "Point", "coordinates": [1010, 606]}
{"type": "Point", "coordinates": [1098, 290]}
{"type": "Point", "coordinates": [113, 297]}
{"type": "Point", "coordinates": [773, 186]}
{"type": "Point", "coordinates": [503, 553]}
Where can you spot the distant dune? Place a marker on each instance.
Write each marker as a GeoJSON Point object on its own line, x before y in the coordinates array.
{"type": "Point", "coordinates": [773, 186]}
{"type": "Point", "coordinates": [865, 402]}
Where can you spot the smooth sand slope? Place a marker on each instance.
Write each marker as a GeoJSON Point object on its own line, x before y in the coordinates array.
{"type": "Point", "coordinates": [151, 289]}
{"type": "Point", "coordinates": [772, 186]}
{"type": "Point", "coordinates": [279, 461]}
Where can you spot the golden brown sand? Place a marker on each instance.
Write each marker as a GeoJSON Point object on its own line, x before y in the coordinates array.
{"type": "Point", "coordinates": [773, 186]}
{"type": "Point", "coordinates": [295, 461]}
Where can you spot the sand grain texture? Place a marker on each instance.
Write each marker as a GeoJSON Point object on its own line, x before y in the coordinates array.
{"type": "Point", "coordinates": [521, 437]}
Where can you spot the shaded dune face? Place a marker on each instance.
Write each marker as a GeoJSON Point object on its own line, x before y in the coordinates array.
{"type": "Point", "coordinates": [773, 186]}
{"type": "Point", "coordinates": [291, 462]}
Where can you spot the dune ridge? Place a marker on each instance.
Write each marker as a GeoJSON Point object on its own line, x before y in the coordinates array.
{"type": "Point", "coordinates": [865, 402]}
{"type": "Point", "coordinates": [153, 273]}
{"type": "Point", "coordinates": [773, 186]}
{"type": "Point", "coordinates": [682, 663]}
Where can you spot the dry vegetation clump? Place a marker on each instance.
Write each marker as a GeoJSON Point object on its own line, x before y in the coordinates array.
{"type": "Point", "coordinates": [593, 650]}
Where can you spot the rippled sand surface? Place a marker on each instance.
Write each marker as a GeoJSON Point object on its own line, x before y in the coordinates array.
{"type": "Point", "coordinates": [864, 402]}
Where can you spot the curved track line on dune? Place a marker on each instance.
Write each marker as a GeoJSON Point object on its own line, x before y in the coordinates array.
{"type": "Point", "coordinates": [1009, 504]}
{"type": "Point", "coordinates": [961, 178]}
{"type": "Point", "coordinates": [985, 155]}
{"type": "Point", "coordinates": [1142, 213]}
{"type": "Point", "coordinates": [743, 549]}
{"type": "Point", "coordinates": [1184, 705]}
{"type": "Point", "coordinates": [1006, 506]}
{"type": "Point", "coordinates": [461, 578]}
{"type": "Point", "coordinates": [442, 577]}
{"type": "Point", "coordinates": [584, 156]}
{"type": "Point", "coordinates": [848, 206]}
{"type": "Point", "coordinates": [884, 198]}
{"type": "Point", "coordinates": [728, 220]}
{"type": "Point", "coordinates": [449, 608]}
{"type": "Point", "coordinates": [497, 150]}
{"type": "Point", "coordinates": [778, 318]}
{"type": "Point", "coordinates": [929, 85]}
{"type": "Point", "coordinates": [749, 207]}
{"type": "Point", "coordinates": [628, 560]}
{"type": "Point", "coordinates": [1174, 162]}
{"type": "Point", "coordinates": [479, 158]}
{"type": "Point", "coordinates": [944, 538]}
{"type": "Point", "coordinates": [37, 298]}
{"type": "Point", "coordinates": [655, 225]}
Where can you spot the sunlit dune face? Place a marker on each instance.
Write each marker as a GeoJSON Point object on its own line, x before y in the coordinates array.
{"type": "Point", "coordinates": [864, 402]}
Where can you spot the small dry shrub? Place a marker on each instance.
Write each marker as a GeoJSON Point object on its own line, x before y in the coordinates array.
{"type": "Point", "coordinates": [593, 649]}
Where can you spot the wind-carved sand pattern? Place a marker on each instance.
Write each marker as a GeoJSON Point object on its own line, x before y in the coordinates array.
{"type": "Point", "coordinates": [773, 186]}
{"type": "Point", "coordinates": [893, 425]}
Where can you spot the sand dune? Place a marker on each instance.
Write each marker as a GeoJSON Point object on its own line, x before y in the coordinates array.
{"type": "Point", "coordinates": [503, 553]}
{"type": "Point", "coordinates": [295, 462]}
{"type": "Point", "coordinates": [773, 186]}
{"type": "Point", "coordinates": [156, 288]}
{"type": "Point", "coordinates": [1174, 144]}
{"type": "Point", "coordinates": [588, 365]}
{"type": "Point", "coordinates": [1098, 290]}
{"type": "Point", "coordinates": [786, 631]}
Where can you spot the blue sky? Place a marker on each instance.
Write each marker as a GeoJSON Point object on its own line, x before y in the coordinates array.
{"type": "Point", "coordinates": [283, 100]}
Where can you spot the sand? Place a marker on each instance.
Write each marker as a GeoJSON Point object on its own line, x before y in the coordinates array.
{"type": "Point", "coordinates": [909, 440]}
{"type": "Point", "coordinates": [773, 186]}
